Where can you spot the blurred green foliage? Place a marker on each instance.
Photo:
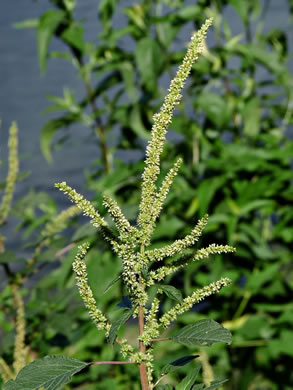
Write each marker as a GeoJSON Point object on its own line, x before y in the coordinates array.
{"type": "Point", "coordinates": [232, 130]}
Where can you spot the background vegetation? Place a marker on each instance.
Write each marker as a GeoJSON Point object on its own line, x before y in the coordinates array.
{"type": "Point", "coordinates": [232, 130]}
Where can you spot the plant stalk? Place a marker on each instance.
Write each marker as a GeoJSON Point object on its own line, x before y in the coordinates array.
{"type": "Point", "coordinates": [99, 130]}
{"type": "Point", "coordinates": [142, 367]}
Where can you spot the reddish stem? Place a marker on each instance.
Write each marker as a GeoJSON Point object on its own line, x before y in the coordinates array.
{"type": "Point", "coordinates": [142, 367]}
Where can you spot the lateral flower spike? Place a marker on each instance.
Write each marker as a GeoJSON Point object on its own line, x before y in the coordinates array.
{"type": "Point", "coordinates": [151, 328]}
{"type": "Point", "coordinates": [79, 267]}
{"type": "Point", "coordinates": [83, 204]}
{"type": "Point", "coordinates": [122, 224]}
{"type": "Point", "coordinates": [196, 297]}
{"type": "Point", "coordinates": [178, 245]}
{"type": "Point", "coordinates": [161, 195]}
{"type": "Point", "coordinates": [159, 129]}
{"type": "Point", "coordinates": [20, 349]}
{"type": "Point", "coordinates": [58, 223]}
{"type": "Point", "coordinates": [13, 167]}
{"type": "Point", "coordinates": [200, 254]}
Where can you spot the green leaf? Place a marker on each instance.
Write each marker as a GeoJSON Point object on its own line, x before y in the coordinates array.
{"type": "Point", "coordinates": [50, 373]}
{"type": "Point", "coordinates": [215, 108]}
{"type": "Point", "coordinates": [149, 59]}
{"type": "Point", "coordinates": [177, 363]}
{"type": "Point", "coordinates": [203, 332]}
{"type": "Point", "coordinates": [48, 24]}
{"type": "Point", "coordinates": [165, 387]}
{"type": "Point", "coordinates": [171, 292]}
{"type": "Point", "coordinates": [29, 23]}
{"type": "Point", "coordinates": [47, 134]}
{"type": "Point", "coordinates": [189, 380]}
{"type": "Point", "coordinates": [128, 75]}
{"type": "Point", "coordinates": [198, 387]}
{"type": "Point", "coordinates": [241, 7]}
{"type": "Point", "coordinates": [116, 324]}
{"type": "Point", "coordinates": [112, 283]}
{"type": "Point", "coordinates": [73, 35]}
{"type": "Point", "coordinates": [8, 257]}
{"type": "Point", "coordinates": [136, 123]}
{"type": "Point", "coordinates": [215, 384]}
{"type": "Point", "coordinates": [251, 117]}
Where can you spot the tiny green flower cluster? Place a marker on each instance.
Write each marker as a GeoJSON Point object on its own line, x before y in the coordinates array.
{"type": "Point", "coordinates": [196, 297]}
{"type": "Point", "coordinates": [85, 291]}
{"type": "Point", "coordinates": [20, 350]}
{"type": "Point", "coordinates": [161, 122]}
{"type": "Point", "coordinates": [178, 245]}
{"type": "Point", "coordinates": [83, 204]}
{"type": "Point", "coordinates": [132, 242]}
{"type": "Point", "coordinates": [59, 223]}
{"type": "Point", "coordinates": [127, 232]}
{"type": "Point", "coordinates": [151, 328]}
{"type": "Point", "coordinates": [13, 166]}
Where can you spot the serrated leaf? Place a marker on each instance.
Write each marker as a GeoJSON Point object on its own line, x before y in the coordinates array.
{"type": "Point", "coordinates": [203, 332]}
{"type": "Point", "coordinates": [171, 292]}
{"type": "Point", "coordinates": [216, 384]}
{"type": "Point", "coordinates": [48, 24]}
{"type": "Point", "coordinates": [112, 283]}
{"type": "Point", "coordinates": [116, 324]}
{"type": "Point", "coordinates": [189, 380]}
{"type": "Point", "coordinates": [177, 363]}
{"type": "Point", "coordinates": [50, 373]}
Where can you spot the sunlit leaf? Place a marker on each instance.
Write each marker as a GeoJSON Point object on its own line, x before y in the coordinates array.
{"type": "Point", "coordinates": [203, 332]}
{"type": "Point", "coordinates": [50, 372]}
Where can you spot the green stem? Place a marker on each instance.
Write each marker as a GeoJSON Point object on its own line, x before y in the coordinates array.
{"type": "Point", "coordinates": [243, 304]}
{"type": "Point", "coordinates": [142, 367]}
{"type": "Point", "coordinates": [99, 129]}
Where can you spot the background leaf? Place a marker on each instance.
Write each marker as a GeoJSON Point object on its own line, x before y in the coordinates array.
{"type": "Point", "coordinates": [50, 372]}
{"type": "Point", "coordinates": [203, 332]}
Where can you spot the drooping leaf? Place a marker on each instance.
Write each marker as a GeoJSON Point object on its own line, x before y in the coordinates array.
{"type": "Point", "coordinates": [116, 324]}
{"type": "Point", "coordinates": [49, 372]}
{"type": "Point", "coordinates": [203, 332]}
{"type": "Point", "coordinates": [171, 292]}
{"type": "Point", "coordinates": [48, 24]}
{"type": "Point", "coordinates": [189, 380]}
{"type": "Point", "coordinates": [177, 363]}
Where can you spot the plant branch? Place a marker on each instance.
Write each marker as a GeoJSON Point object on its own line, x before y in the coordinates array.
{"type": "Point", "coordinates": [142, 367]}
{"type": "Point", "coordinates": [110, 362]}
{"type": "Point", "coordinates": [161, 339]}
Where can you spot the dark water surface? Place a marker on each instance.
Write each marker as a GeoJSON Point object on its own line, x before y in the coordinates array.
{"type": "Point", "coordinates": [23, 92]}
